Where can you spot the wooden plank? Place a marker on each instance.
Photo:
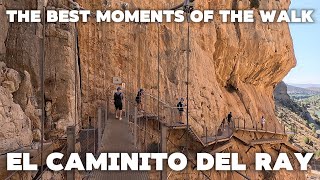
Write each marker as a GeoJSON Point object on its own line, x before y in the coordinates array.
{"type": "Point", "coordinates": [266, 141]}
{"type": "Point", "coordinates": [241, 139]}
{"type": "Point", "coordinates": [221, 148]}
{"type": "Point", "coordinates": [293, 147]}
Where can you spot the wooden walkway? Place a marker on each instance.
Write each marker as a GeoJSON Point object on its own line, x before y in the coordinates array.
{"type": "Point", "coordinates": [116, 138]}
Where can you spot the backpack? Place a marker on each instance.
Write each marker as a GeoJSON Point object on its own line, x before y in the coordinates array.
{"type": "Point", "coordinates": [138, 98]}
{"type": "Point", "coordinates": [117, 98]}
{"type": "Point", "coordinates": [180, 106]}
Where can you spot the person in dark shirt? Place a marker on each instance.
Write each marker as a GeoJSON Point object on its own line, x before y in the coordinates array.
{"type": "Point", "coordinates": [118, 103]}
{"type": "Point", "coordinates": [180, 107]}
{"type": "Point", "coordinates": [229, 118]}
{"type": "Point", "coordinates": [139, 100]}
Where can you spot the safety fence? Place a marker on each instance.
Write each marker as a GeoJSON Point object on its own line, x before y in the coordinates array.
{"type": "Point", "coordinates": [314, 166]}
{"type": "Point", "coordinates": [165, 114]}
{"type": "Point", "coordinates": [138, 124]}
{"type": "Point", "coordinates": [242, 124]}
{"type": "Point", "coordinates": [75, 139]}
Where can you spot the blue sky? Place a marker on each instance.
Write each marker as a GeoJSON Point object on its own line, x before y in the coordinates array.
{"type": "Point", "coordinates": [306, 39]}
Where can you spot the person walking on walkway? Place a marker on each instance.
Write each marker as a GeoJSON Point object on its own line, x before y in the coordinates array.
{"type": "Point", "coordinates": [139, 100]}
{"type": "Point", "coordinates": [223, 123]}
{"type": "Point", "coordinates": [180, 107]}
{"type": "Point", "coordinates": [118, 103]}
{"type": "Point", "coordinates": [229, 117]}
{"type": "Point", "coordinates": [263, 121]}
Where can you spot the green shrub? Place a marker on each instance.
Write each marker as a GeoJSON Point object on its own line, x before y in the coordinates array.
{"type": "Point", "coordinates": [306, 140]}
{"type": "Point", "coordinates": [311, 125]}
{"type": "Point", "coordinates": [317, 153]}
{"type": "Point", "coordinates": [314, 129]}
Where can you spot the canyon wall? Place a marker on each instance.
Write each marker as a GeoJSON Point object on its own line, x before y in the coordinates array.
{"type": "Point", "coordinates": [234, 67]}
{"type": "Point", "coordinates": [21, 48]}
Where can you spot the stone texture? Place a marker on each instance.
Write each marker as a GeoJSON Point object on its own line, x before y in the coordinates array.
{"type": "Point", "coordinates": [15, 131]}
{"type": "Point", "coordinates": [233, 66]}
{"type": "Point", "coordinates": [280, 92]}
{"type": "Point", "coordinates": [25, 97]}
{"type": "Point", "coordinates": [3, 29]}
{"type": "Point", "coordinates": [23, 53]}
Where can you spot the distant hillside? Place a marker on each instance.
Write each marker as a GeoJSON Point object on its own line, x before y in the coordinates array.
{"type": "Point", "coordinates": [303, 91]}
{"type": "Point", "coordinates": [306, 86]}
{"type": "Point", "coordinates": [290, 112]}
{"type": "Point", "coordinates": [317, 89]}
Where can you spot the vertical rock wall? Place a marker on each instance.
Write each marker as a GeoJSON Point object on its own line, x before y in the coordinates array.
{"type": "Point", "coordinates": [21, 49]}
{"type": "Point", "coordinates": [15, 131]}
{"type": "Point", "coordinates": [233, 66]}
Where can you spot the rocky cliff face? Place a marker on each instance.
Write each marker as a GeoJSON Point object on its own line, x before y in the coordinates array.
{"type": "Point", "coordinates": [15, 131]}
{"type": "Point", "coordinates": [280, 92]}
{"type": "Point", "coordinates": [233, 66]}
{"type": "Point", "coordinates": [21, 49]}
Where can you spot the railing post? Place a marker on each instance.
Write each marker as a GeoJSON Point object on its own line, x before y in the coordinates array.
{"type": "Point", "coordinates": [256, 126]}
{"type": "Point", "coordinates": [99, 126]}
{"type": "Point", "coordinates": [238, 123]}
{"type": "Point", "coordinates": [244, 124]}
{"type": "Point", "coordinates": [71, 142]}
{"type": "Point", "coordinates": [128, 112]}
{"type": "Point", "coordinates": [206, 135]}
{"type": "Point", "coordinates": [135, 127]}
{"type": "Point", "coordinates": [106, 114]}
{"type": "Point", "coordinates": [164, 149]}
{"type": "Point", "coordinates": [229, 128]}
{"type": "Point", "coordinates": [107, 111]}
{"type": "Point", "coordinates": [265, 126]}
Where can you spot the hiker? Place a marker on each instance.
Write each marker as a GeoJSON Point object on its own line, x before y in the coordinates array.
{"type": "Point", "coordinates": [263, 121]}
{"type": "Point", "coordinates": [229, 118]}
{"type": "Point", "coordinates": [139, 100]}
{"type": "Point", "coordinates": [118, 98]}
{"type": "Point", "coordinates": [180, 107]}
{"type": "Point", "coordinates": [90, 125]}
{"type": "Point", "coordinates": [223, 123]}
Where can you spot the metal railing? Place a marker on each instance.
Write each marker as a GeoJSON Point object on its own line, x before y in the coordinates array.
{"type": "Point", "coordinates": [89, 139]}
{"type": "Point", "coordinates": [169, 115]}
{"type": "Point", "coordinates": [242, 124]}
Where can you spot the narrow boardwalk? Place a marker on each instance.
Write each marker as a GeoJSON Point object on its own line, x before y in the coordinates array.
{"type": "Point", "coordinates": [117, 138]}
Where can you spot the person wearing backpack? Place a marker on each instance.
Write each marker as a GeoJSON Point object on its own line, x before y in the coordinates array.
{"type": "Point", "coordinates": [118, 103]}
{"type": "Point", "coordinates": [139, 100]}
{"type": "Point", "coordinates": [180, 107]}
